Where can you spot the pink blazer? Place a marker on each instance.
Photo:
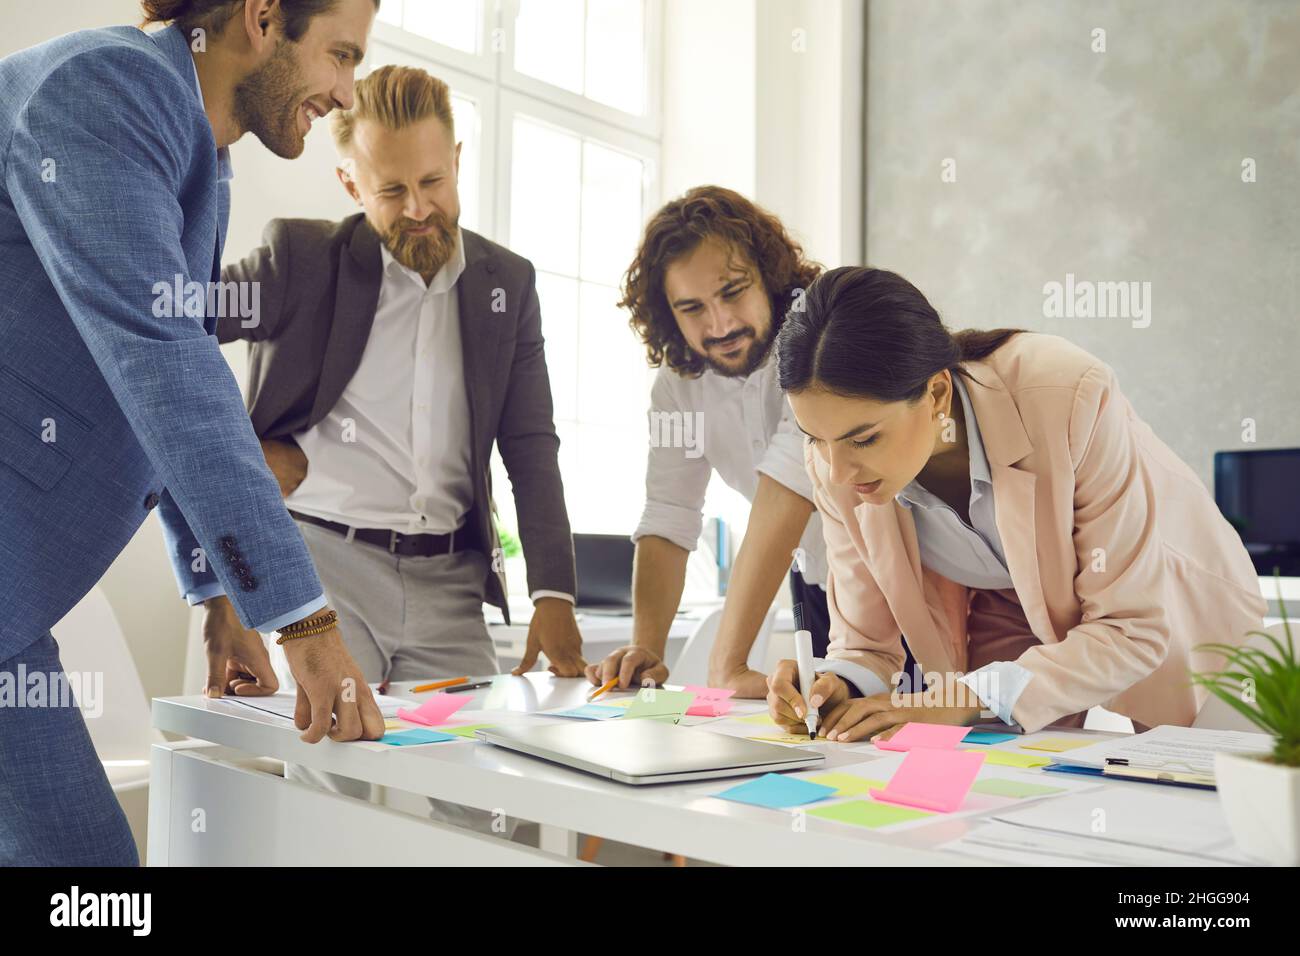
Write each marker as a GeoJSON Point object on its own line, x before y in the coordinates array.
{"type": "Point", "coordinates": [1119, 557]}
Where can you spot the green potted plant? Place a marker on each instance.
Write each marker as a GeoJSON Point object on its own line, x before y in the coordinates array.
{"type": "Point", "coordinates": [1260, 793]}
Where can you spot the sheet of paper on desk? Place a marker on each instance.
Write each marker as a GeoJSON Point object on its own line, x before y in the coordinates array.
{"type": "Point", "coordinates": [1151, 817]}
{"type": "Point", "coordinates": [1005, 843]}
{"type": "Point", "coordinates": [283, 703]}
{"type": "Point", "coordinates": [1178, 748]}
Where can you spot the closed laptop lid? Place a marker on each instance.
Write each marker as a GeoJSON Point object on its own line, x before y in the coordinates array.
{"type": "Point", "coordinates": [646, 750]}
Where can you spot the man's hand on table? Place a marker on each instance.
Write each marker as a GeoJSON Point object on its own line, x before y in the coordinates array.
{"type": "Point", "coordinates": [633, 665]}
{"type": "Point", "coordinates": [554, 632]}
{"type": "Point", "coordinates": [333, 697]}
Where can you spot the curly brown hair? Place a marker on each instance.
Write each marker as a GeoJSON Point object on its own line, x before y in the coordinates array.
{"type": "Point", "coordinates": [675, 231]}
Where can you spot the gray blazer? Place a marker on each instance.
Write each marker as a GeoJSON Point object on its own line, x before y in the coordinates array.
{"type": "Point", "coordinates": [320, 284]}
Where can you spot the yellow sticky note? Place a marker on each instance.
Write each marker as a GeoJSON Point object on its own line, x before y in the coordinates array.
{"type": "Point", "coordinates": [1009, 758]}
{"type": "Point", "coordinates": [395, 725]}
{"type": "Point", "coordinates": [763, 720]}
{"type": "Point", "coordinates": [1057, 745]}
{"type": "Point", "coordinates": [848, 785]}
{"type": "Point", "coordinates": [614, 702]}
{"type": "Point", "coordinates": [789, 739]}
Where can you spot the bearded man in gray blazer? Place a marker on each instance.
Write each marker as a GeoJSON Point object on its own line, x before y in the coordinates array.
{"type": "Point", "coordinates": [389, 352]}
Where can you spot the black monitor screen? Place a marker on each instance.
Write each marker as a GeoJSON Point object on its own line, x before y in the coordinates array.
{"type": "Point", "coordinates": [1259, 493]}
{"type": "Point", "coordinates": [604, 565]}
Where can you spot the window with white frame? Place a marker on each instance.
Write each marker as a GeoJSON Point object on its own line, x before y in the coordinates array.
{"type": "Point", "coordinates": [556, 103]}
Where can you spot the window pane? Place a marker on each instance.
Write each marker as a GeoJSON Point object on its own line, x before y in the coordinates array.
{"type": "Point", "coordinates": [616, 54]}
{"type": "Point", "coordinates": [559, 302]}
{"type": "Point", "coordinates": [544, 196]}
{"type": "Point", "coordinates": [611, 212]}
{"type": "Point", "coordinates": [604, 488]}
{"type": "Point", "coordinates": [612, 383]}
{"type": "Point", "coordinates": [548, 41]}
{"type": "Point", "coordinates": [451, 22]}
{"type": "Point", "coordinates": [390, 11]}
{"type": "Point", "coordinates": [465, 113]}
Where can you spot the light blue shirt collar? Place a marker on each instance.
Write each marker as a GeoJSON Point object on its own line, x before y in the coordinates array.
{"type": "Point", "coordinates": [915, 494]}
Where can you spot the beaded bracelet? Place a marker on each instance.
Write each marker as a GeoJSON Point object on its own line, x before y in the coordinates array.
{"type": "Point", "coordinates": [309, 627]}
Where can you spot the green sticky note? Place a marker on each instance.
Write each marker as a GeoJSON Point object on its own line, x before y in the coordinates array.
{"type": "Point", "coordinates": [1009, 758]}
{"type": "Point", "coordinates": [1000, 787]}
{"type": "Point", "coordinates": [763, 720]}
{"type": "Point", "coordinates": [863, 813]}
{"type": "Point", "coordinates": [847, 785]}
{"type": "Point", "coordinates": [653, 702]}
{"type": "Point", "coordinates": [466, 731]}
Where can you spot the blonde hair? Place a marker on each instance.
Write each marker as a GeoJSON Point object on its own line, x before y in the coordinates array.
{"type": "Point", "coordinates": [395, 97]}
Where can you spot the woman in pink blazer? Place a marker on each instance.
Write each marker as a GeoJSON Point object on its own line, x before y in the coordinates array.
{"type": "Point", "coordinates": [993, 497]}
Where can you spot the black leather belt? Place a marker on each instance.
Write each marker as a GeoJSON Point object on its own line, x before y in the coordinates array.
{"type": "Point", "coordinates": [394, 542]}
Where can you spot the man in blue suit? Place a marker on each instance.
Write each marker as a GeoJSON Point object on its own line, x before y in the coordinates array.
{"type": "Point", "coordinates": [114, 397]}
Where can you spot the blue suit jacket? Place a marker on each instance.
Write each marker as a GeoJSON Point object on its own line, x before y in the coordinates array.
{"type": "Point", "coordinates": [112, 401]}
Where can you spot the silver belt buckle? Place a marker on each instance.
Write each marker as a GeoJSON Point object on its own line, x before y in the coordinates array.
{"type": "Point", "coordinates": [393, 538]}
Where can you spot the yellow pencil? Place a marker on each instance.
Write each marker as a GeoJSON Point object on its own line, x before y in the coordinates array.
{"type": "Point", "coordinates": [439, 685]}
{"type": "Point", "coordinates": [600, 690]}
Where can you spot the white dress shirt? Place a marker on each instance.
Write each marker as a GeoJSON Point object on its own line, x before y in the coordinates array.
{"type": "Point", "coordinates": [741, 428]}
{"type": "Point", "coordinates": [394, 451]}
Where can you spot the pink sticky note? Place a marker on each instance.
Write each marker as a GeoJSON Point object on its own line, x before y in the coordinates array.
{"type": "Point", "coordinates": [436, 709]}
{"type": "Point", "coordinates": [932, 779]}
{"type": "Point", "coordinates": [708, 693]}
{"type": "Point", "coordinates": [934, 736]}
{"type": "Point", "coordinates": [708, 708]}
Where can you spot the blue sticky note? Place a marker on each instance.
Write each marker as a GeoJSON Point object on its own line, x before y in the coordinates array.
{"type": "Point", "coordinates": [776, 792]}
{"type": "Point", "coordinates": [591, 712]}
{"type": "Point", "coordinates": [986, 737]}
{"type": "Point", "coordinates": [405, 738]}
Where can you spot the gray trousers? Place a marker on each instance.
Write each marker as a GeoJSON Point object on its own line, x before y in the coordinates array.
{"type": "Point", "coordinates": [402, 618]}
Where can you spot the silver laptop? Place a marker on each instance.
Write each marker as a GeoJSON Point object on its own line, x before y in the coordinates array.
{"type": "Point", "coordinates": [649, 751]}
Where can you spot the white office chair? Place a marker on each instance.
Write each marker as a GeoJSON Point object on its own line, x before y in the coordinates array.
{"type": "Point", "coordinates": [1215, 714]}
{"type": "Point", "coordinates": [91, 642]}
{"type": "Point", "coordinates": [691, 665]}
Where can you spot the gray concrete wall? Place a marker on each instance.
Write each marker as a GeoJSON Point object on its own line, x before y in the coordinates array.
{"type": "Point", "coordinates": [1123, 165]}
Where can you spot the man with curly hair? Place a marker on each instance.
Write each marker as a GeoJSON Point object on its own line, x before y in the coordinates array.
{"type": "Point", "coordinates": [710, 284]}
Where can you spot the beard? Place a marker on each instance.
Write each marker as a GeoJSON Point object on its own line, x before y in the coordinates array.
{"type": "Point", "coordinates": [268, 102]}
{"type": "Point", "coordinates": [745, 363]}
{"type": "Point", "coordinates": [423, 254]}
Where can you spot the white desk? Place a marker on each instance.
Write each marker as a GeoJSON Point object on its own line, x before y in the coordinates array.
{"type": "Point", "coordinates": [208, 807]}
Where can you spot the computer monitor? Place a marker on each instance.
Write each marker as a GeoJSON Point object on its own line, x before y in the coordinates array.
{"type": "Point", "coordinates": [604, 566]}
{"type": "Point", "coordinates": [1257, 493]}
